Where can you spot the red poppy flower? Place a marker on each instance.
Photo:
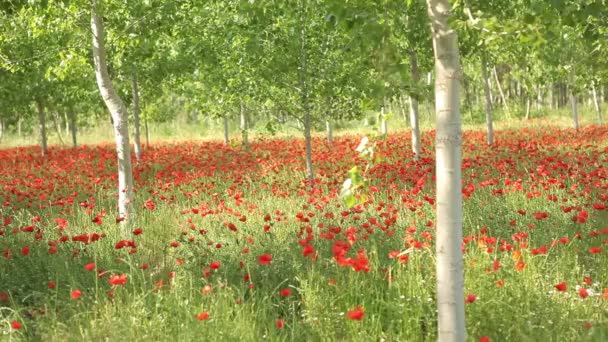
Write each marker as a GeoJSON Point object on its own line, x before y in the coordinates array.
{"type": "Point", "coordinates": [583, 292]}
{"type": "Point", "coordinates": [356, 314]}
{"type": "Point", "coordinates": [90, 266]}
{"type": "Point", "coordinates": [562, 287]}
{"type": "Point", "coordinates": [285, 292]}
{"type": "Point", "coordinates": [117, 279]}
{"type": "Point", "coordinates": [51, 284]}
{"type": "Point", "coordinates": [75, 294]}
{"type": "Point", "coordinates": [202, 316]}
{"type": "Point", "coordinates": [215, 265]}
{"type": "Point", "coordinates": [471, 298]}
{"type": "Point", "coordinates": [280, 323]}
{"type": "Point", "coordinates": [16, 325]}
{"type": "Point", "coordinates": [265, 259]}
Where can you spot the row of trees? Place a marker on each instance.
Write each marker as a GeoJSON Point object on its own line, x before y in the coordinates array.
{"type": "Point", "coordinates": [308, 62]}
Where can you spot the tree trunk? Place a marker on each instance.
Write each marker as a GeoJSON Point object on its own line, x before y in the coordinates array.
{"type": "Point", "coordinates": [596, 104]}
{"type": "Point", "coordinates": [450, 276]}
{"type": "Point", "coordinates": [539, 97]}
{"type": "Point", "coordinates": [19, 127]}
{"type": "Point", "coordinates": [501, 92]}
{"type": "Point", "coordinates": [528, 104]}
{"type": "Point", "coordinates": [304, 93]}
{"type": "Point", "coordinates": [119, 116]}
{"type": "Point", "coordinates": [73, 126]}
{"type": "Point", "coordinates": [573, 99]}
{"type": "Point", "coordinates": [486, 90]}
{"type": "Point", "coordinates": [414, 107]}
{"type": "Point", "coordinates": [244, 132]}
{"type": "Point", "coordinates": [42, 128]}
{"type": "Point", "coordinates": [2, 128]}
{"type": "Point", "coordinates": [66, 119]}
{"type": "Point", "coordinates": [383, 123]}
{"type": "Point", "coordinates": [195, 116]}
{"type": "Point", "coordinates": [574, 110]}
{"type": "Point", "coordinates": [54, 117]}
{"type": "Point", "coordinates": [330, 133]}
{"type": "Point", "coordinates": [226, 140]}
{"type": "Point", "coordinates": [136, 134]}
{"type": "Point", "coordinates": [146, 130]}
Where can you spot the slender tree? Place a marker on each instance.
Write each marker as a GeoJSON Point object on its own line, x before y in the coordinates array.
{"type": "Point", "coordinates": [118, 113]}
{"type": "Point", "coordinates": [450, 275]}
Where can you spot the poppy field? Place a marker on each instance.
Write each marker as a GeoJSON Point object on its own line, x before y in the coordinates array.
{"type": "Point", "coordinates": [229, 244]}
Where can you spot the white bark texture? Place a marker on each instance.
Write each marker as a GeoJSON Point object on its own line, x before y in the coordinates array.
{"type": "Point", "coordinates": [42, 128]}
{"type": "Point", "coordinates": [330, 133]}
{"type": "Point", "coordinates": [414, 108]}
{"type": "Point", "coordinates": [244, 128]}
{"type": "Point", "coordinates": [450, 277]}
{"type": "Point", "coordinates": [119, 116]}
{"type": "Point", "coordinates": [226, 137]}
{"type": "Point", "coordinates": [596, 105]}
{"type": "Point", "coordinates": [73, 126]}
{"type": "Point", "coordinates": [383, 123]}
{"type": "Point", "coordinates": [136, 133]}
{"type": "Point", "coordinates": [486, 90]}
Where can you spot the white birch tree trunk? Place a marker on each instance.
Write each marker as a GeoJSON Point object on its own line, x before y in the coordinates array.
{"type": "Point", "coordinates": [528, 104]}
{"type": "Point", "coordinates": [42, 128]}
{"type": "Point", "coordinates": [486, 90]}
{"type": "Point", "coordinates": [574, 110]}
{"type": "Point", "coordinates": [501, 92]}
{"type": "Point", "coordinates": [119, 114]}
{"type": "Point", "coordinates": [596, 105]}
{"type": "Point", "coordinates": [573, 100]}
{"type": "Point", "coordinates": [2, 128]}
{"type": "Point", "coordinates": [330, 133]}
{"type": "Point", "coordinates": [383, 123]}
{"type": "Point", "coordinates": [19, 127]}
{"type": "Point", "coordinates": [244, 128]}
{"type": "Point", "coordinates": [57, 127]}
{"type": "Point", "coordinates": [226, 137]}
{"type": "Point", "coordinates": [146, 130]}
{"type": "Point", "coordinates": [136, 133]}
{"type": "Point", "coordinates": [414, 107]}
{"type": "Point", "coordinates": [450, 277]}
{"type": "Point", "coordinates": [73, 127]}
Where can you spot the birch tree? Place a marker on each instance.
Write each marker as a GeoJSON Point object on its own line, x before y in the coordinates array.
{"type": "Point", "coordinates": [450, 274]}
{"type": "Point", "coordinates": [119, 114]}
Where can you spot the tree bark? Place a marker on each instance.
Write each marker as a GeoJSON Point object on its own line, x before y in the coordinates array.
{"type": "Point", "coordinates": [573, 100]}
{"type": "Point", "coordinates": [596, 105]}
{"type": "Point", "coordinates": [195, 116]}
{"type": "Point", "coordinates": [305, 101]}
{"type": "Point", "coordinates": [136, 133]}
{"type": "Point", "coordinates": [528, 104]}
{"type": "Point", "coordinates": [19, 127]}
{"type": "Point", "coordinates": [119, 116]}
{"type": "Point", "coordinates": [146, 130]}
{"type": "Point", "coordinates": [73, 126]}
{"type": "Point", "coordinates": [54, 117]}
{"type": "Point", "coordinates": [486, 89]}
{"type": "Point", "coordinates": [450, 275]}
{"type": "Point", "coordinates": [383, 123]}
{"type": "Point", "coordinates": [226, 138]}
{"type": "Point", "coordinates": [330, 134]}
{"type": "Point", "coordinates": [42, 128]}
{"type": "Point", "coordinates": [414, 107]}
{"type": "Point", "coordinates": [501, 92]}
{"type": "Point", "coordinates": [2, 128]}
{"type": "Point", "coordinates": [244, 128]}
{"type": "Point", "coordinates": [539, 97]}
